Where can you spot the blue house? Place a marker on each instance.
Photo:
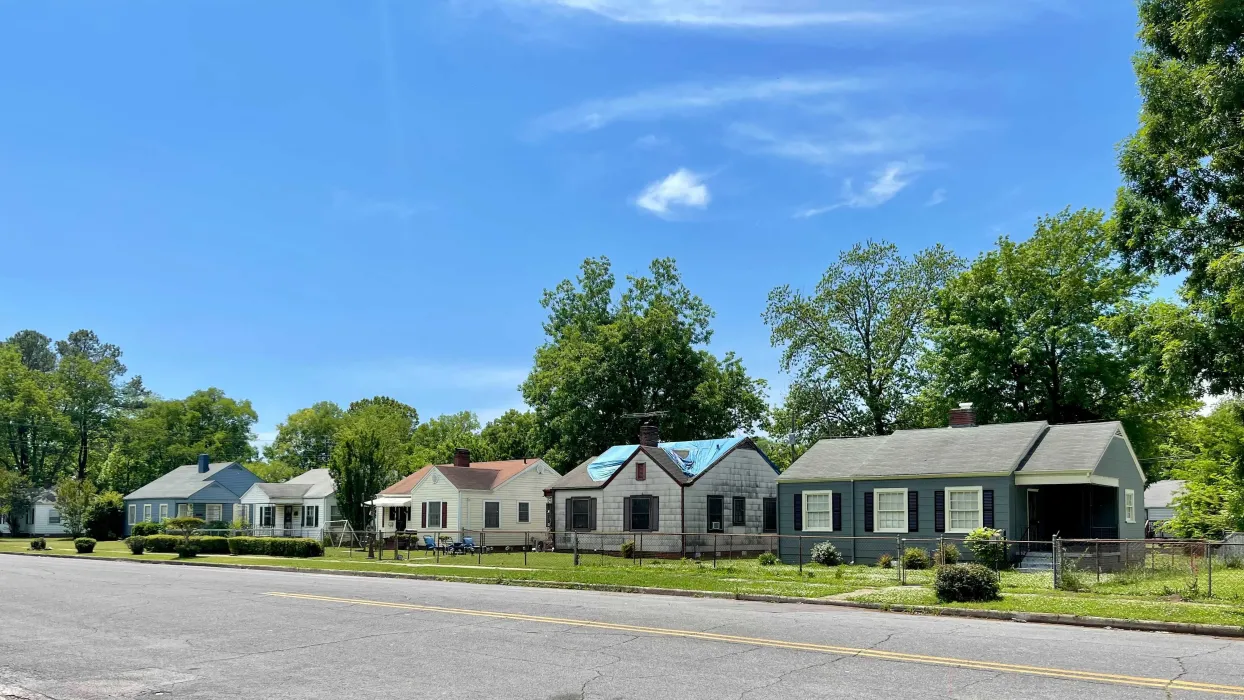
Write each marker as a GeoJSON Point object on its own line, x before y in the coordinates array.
{"type": "Point", "coordinates": [207, 490]}
{"type": "Point", "coordinates": [1032, 481]}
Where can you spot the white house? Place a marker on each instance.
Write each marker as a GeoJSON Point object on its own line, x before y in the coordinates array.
{"type": "Point", "coordinates": [42, 519]}
{"type": "Point", "coordinates": [1160, 502]}
{"type": "Point", "coordinates": [695, 487]}
{"type": "Point", "coordinates": [301, 507]}
{"type": "Point", "coordinates": [496, 503]}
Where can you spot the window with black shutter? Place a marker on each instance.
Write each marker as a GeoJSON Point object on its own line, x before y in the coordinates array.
{"type": "Point", "coordinates": [913, 511]}
{"type": "Point", "coordinates": [582, 513]}
{"type": "Point", "coordinates": [837, 515]}
{"type": "Point", "coordinates": [939, 511]}
{"type": "Point", "coordinates": [638, 513]}
{"type": "Point", "coordinates": [770, 523]}
{"type": "Point", "coordinates": [868, 511]}
{"type": "Point", "coordinates": [798, 514]}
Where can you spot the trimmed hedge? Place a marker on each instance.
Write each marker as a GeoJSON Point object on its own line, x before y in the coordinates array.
{"type": "Point", "coordinates": [84, 545]}
{"type": "Point", "coordinates": [915, 558]}
{"type": "Point", "coordinates": [136, 544]}
{"type": "Point", "coordinates": [164, 544]}
{"type": "Point", "coordinates": [965, 583]}
{"type": "Point", "coordinates": [276, 546]}
{"type": "Point", "coordinates": [211, 545]}
{"type": "Point", "coordinates": [144, 529]}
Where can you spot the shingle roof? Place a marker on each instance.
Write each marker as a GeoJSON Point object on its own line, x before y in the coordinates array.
{"type": "Point", "coordinates": [1160, 494]}
{"type": "Point", "coordinates": [319, 483]}
{"type": "Point", "coordinates": [182, 482]}
{"type": "Point", "coordinates": [977, 450]}
{"type": "Point", "coordinates": [578, 478]}
{"type": "Point", "coordinates": [1072, 447]}
{"type": "Point", "coordinates": [285, 490]}
{"type": "Point", "coordinates": [404, 486]}
{"type": "Point", "coordinates": [484, 476]}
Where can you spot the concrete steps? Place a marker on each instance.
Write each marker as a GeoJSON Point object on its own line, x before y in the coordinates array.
{"type": "Point", "coordinates": [1035, 562]}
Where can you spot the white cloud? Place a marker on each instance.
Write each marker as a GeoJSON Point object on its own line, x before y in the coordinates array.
{"type": "Point", "coordinates": [938, 196]}
{"type": "Point", "coordinates": [885, 185]}
{"type": "Point", "coordinates": [370, 207]}
{"type": "Point", "coordinates": [648, 142]}
{"type": "Point", "coordinates": [688, 98]}
{"type": "Point", "coordinates": [792, 14]}
{"type": "Point", "coordinates": [682, 188]}
{"type": "Point", "coordinates": [401, 373]}
{"type": "Point", "coordinates": [843, 137]}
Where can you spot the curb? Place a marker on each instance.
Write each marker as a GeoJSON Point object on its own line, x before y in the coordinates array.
{"type": "Point", "coordinates": [1005, 616]}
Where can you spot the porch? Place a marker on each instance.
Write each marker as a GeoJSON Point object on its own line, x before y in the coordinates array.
{"type": "Point", "coordinates": [1071, 511]}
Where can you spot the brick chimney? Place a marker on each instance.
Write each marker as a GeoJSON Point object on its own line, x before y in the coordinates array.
{"type": "Point", "coordinates": [963, 417]}
{"type": "Point", "coordinates": [649, 435]}
{"type": "Point", "coordinates": [462, 457]}
{"type": "Point", "coordinates": [204, 461]}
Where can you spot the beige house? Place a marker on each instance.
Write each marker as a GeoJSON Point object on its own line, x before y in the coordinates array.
{"type": "Point", "coordinates": [496, 503]}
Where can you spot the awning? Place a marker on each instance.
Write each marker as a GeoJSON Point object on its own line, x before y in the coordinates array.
{"type": "Point", "coordinates": [389, 501]}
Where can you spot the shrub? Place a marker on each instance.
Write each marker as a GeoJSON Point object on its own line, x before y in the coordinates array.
{"type": "Point", "coordinates": [987, 547]}
{"type": "Point", "coordinates": [1069, 578]}
{"type": "Point", "coordinates": [105, 517]}
{"type": "Point", "coordinates": [946, 553]}
{"type": "Point", "coordinates": [627, 550]}
{"type": "Point", "coordinates": [38, 544]}
{"type": "Point", "coordinates": [136, 544]}
{"type": "Point", "coordinates": [144, 529]}
{"type": "Point", "coordinates": [826, 554]}
{"type": "Point", "coordinates": [84, 545]}
{"type": "Point", "coordinates": [186, 551]}
{"type": "Point", "coordinates": [164, 544]}
{"type": "Point", "coordinates": [211, 545]}
{"type": "Point", "coordinates": [964, 583]}
{"type": "Point", "coordinates": [218, 525]}
{"type": "Point", "coordinates": [915, 559]}
{"type": "Point", "coordinates": [276, 546]}
{"type": "Point", "coordinates": [886, 560]}
{"type": "Point", "coordinates": [767, 559]}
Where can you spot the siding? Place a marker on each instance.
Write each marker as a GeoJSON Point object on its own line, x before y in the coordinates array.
{"type": "Point", "coordinates": [435, 487]}
{"type": "Point", "coordinates": [213, 494]}
{"type": "Point", "coordinates": [865, 547]}
{"type": "Point", "coordinates": [527, 486]}
{"type": "Point", "coordinates": [1117, 462]}
{"type": "Point", "coordinates": [42, 524]}
{"type": "Point", "coordinates": [743, 472]}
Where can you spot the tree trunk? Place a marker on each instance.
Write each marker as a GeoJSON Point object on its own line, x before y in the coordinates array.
{"type": "Point", "coordinates": [82, 452]}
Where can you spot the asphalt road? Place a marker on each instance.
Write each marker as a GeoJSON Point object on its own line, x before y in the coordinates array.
{"type": "Point", "coordinates": [73, 628]}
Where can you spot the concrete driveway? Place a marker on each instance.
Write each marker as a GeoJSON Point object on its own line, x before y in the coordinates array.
{"type": "Point", "coordinates": [75, 628]}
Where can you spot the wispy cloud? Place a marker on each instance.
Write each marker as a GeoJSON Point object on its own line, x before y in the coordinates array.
{"type": "Point", "coordinates": [648, 142]}
{"type": "Point", "coordinates": [794, 14]}
{"type": "Point", "coordinates": [690, 98]}
{"type": "Point", "coordinates": [938, 196]}
{"type": "Point", "coordinates": [406, 373]}
{"type": "Point", "coordinates": [883, 187]}
{"type": "Point", "coordinates": [844, 137]}
{"type": "Point", "coordinates": [371, 207]}
{"type": "Point", "coordinates": [679, 189]}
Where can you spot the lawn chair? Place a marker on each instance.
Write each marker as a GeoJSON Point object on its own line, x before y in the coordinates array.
{"type": "Point", "coordinates": [429, 544]}
{"type": "Point", "coordinates": [468, 545]}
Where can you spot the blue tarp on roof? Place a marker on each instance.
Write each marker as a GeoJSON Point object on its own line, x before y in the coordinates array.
{"type": "Point", "coordinates": [692, 456]}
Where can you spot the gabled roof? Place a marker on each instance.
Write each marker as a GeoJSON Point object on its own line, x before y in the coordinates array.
{"type": "Point", "coordinates": [1072, 447]}
{"type": "Point", "coordinates": [182, 482]}
{"type": "Point", "coordinates": [403, 486]}
{"type": "Point", "coordinates": [297, 491]}
{"type": "Point", "coordinates": [1160, 494]}
{"type": "Point", "coordinates": [480, 476]}
{"type": "Point", "coordinates": [839, 455]}
{"type": "Point", "coordinates": [682, 461]}
{"type": "Point", "coordinates": [319, 483]}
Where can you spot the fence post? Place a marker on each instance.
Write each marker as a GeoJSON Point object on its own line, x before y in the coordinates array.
{"type": "Point", "coordinates": [941, 550]}
{"type": "Point", "coordinates": [714, 550]}
{"type": "Point", "coordinates": [1097, 556]}
{"type": "Point", "coordinates": [1055, 560]}
{"type": "Point", "coordinates": [575, 545]}
{"type": "Point", "coordinates": [1209, 569]}
{"type": "Point", "coordinates": [526, 546]}
{"type": "Point", "coordinates": [483, 538]}
{"type": "Point", "coordinates": [902, 570]}
{"type": "Point", "coordinates": [639, 547]}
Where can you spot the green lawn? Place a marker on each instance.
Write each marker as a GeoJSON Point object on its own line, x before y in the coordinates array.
{"type": "Point", "coordinates": [1165, 594]}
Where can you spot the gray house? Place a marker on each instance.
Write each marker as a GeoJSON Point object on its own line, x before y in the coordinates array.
{"type": "Point", "coordinates": [1030, 480]}
{"type": "Point", "coordinates": [208, 490]}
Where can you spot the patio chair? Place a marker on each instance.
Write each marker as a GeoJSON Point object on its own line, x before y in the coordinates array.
{"type": "Point", "coordinates": [468, 544]}
{"type": "Point", "coordinates": [429, 544]}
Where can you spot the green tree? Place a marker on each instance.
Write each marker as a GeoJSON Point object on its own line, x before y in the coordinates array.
{"type": "Point", "coordinates": [89, 373]}
{"type": "Point", "coordinates": [643, 351]}
{"type": "Point", "coordinates": [1044, 329]}
{"type": "Point", "coordinates": [512, 435]}
{"type": "Point", "coordinates": [1208, 454]}
{"type": "Point", "coordinates": [371, 452]}
{"type": "Point", "coordinates": [15, 498]}
{"type": "Point", "coordinates": [306, 439]}
{"type": "Point", "coordinates": [434, 442]}
{"type": "Point", "coordinates": [36, 439]}
{"type": "Point", "coordinates": [852, 345]}
{"type": "Point", "coordinates": [73, 499]}
{"type": "Point", "coordinates": [1181, 209]}
{"type": "Point", "coordinates": [36, 350]}
{"type": "Point", "coordinates": [105, 517]}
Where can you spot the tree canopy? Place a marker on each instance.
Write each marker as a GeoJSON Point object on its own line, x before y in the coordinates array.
{"type": "Point", "coordinates": [305, 440]}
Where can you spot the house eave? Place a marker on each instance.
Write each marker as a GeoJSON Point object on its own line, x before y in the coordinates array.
{"type": "Point", "coordinates": [892, 477]}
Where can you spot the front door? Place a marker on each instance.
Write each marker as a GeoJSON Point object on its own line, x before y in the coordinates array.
{"type": "Point", "coordinates": [289, 518]}
{"type": "Point", "coordinates": [1034, 522]}
{"type": "Point", "coordinates": [401, 518]}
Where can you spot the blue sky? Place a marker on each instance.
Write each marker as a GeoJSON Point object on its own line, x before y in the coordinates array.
{"type": "Point", "coordinates": [299, 200]}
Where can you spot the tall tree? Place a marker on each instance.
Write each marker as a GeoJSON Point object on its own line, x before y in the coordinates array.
{"type": "Point", "coordinates": [73, 499]}
{"type": "Point", "coordinates": [1181, 209]}
{"type": "Point", "coordinates": [36, 439]}
{"type": "Point", "coordinates": [607, 356]}
{"type": "Point", "coordinates": [35, 348]}
{"type": "Point", "coordinates": [371, 452]}
{"type": "Point", "coordinates": [512, 435]}
{"type": "Point", "coordinates": [306, 439]}
{"type": "Point", "coordinates": [1207, 452]}
{"type": "Point", "coordinates": [434, 442]}
{"type": "Point", "coordinates": [852, 344]}
{"type": "Point", "coordinates": [89, 373]}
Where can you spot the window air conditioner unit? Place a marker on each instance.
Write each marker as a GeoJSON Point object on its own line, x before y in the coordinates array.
{"type": "Point", "coordinates": [716, 524]}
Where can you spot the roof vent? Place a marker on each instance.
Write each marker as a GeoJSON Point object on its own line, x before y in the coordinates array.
{"type": "Point", "coordinates": [204, 461]}
{"type": "Point", "coordinates": [963, 417]}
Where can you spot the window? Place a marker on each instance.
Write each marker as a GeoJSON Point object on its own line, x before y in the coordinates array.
{"type": "Point", "coordinates": [334, 513]}
{"type": "Point", "coordinates": [241, 513]}
{"type": "Point", "coordinates": [581, 513]}
{"type": "Point", "coordinates": [54, 516]}
{"type": "Point", "coordinates": [215, 512]}
{"type": "Point", "coordinates": [890, 513]}
{"type": "Point", "coordinates": [641, 514]}
{"type": "Point", "coordinates": [434, 514]}
{"type": "Point", "coordinates": [310, 516]}
{"type": "Point", "coordinates": [146, 512]}
{"type": "Point", "coordinates": [818, 511]}
{"type": "Point", "coordinates": [716, 514]}
{"type": "Point", "coordinates": [163, 512]}
{"type": "Point", "coordinates": [183, 510]}
{"type": "Point", "coordinates": [641, 471]}
{"type": "Point", "coordinates": [133, 517]}
{"type": "Point", "coordinates": [1129, 505]}
{"type": "Point", "coordinates": [267, 516]}
{"type": "Point", "coordinates": [770, 519]}
{"type": "Point", "coordinates": [963, 509]}
{"type": "Point", "coordinates": [524, 512]}
{"type": "Point", "coordinates": [492, 514]}
{"type": "Point", "coordinates": [739, 512]}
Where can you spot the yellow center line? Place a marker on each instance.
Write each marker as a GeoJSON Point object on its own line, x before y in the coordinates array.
{"type": "Point", "coordinates": [1060, 673]}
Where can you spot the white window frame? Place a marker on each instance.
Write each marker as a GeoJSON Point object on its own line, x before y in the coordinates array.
{"type": "Point", "coordinates": [308, 510]}
{"type": "Point", "coordinates": [264, 512]}
{"type": "Point", "coordinates": [485, 515]}
{"type": "Point", "coordinates": [133, 513]}
{"type": "Point", "coordinates": [519, 511]}
{"type": "Point", "coordinates": [163, 512]}
{"type": "Point", "coordinates": [877, 510]}
{"type": "Point", "coordinates": [1129, 505]}
{"type": "Point", "coordinates": [184, 510]}
{"type": "Point", "coordinates": [980, 508]}
{"type": "Point", "coordinates": [146, 512]}
{"type": "Point", "coordinates": [807, 527]}
{"type": "Point", "coordinates": [53, 516]}
{"type": "Point", "coordinates": [220, 512]}
{"type": "Point", "coordinates": [241, 513]}
{"type": "Point", "coordinates": [434, 508]}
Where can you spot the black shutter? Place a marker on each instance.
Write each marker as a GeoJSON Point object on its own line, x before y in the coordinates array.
{"type": "Point", "coordinates": [654, 519]}
{"type": "Point", "coordinates": [913, 511]}
{"type": "Point", "coordinates": [592, 518]}
{"type": "Point", "coordinates": [868, 511]}
{"type": "Point", "coordinates": [837, 506]}
{"type": "Point", "coordinates": [939, 511]}
{"type": "Point", "coordinates": [626, 513]}
{"type": "Point", "coordinates": [798, 512]}
{"type": "Point", "coordinates": [987, 505]}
